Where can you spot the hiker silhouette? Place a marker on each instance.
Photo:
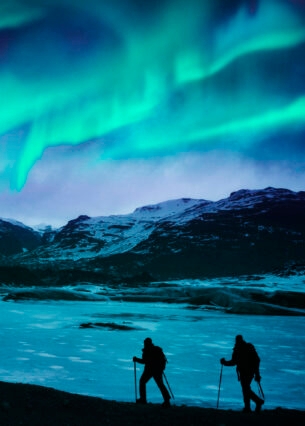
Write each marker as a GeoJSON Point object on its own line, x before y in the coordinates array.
{"type": "Point", "coordinates": [247, 361]}
{"type": "Point", "coordinates": [154, 361]}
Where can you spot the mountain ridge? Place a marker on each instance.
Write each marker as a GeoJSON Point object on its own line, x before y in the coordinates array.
{"type": "Point", "coordinates": [251, 231]}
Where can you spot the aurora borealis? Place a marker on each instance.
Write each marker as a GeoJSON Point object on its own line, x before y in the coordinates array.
{"type": "Point", "coordinates": [107, 106]}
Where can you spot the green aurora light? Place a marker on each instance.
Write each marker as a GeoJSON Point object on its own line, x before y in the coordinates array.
{"type": "Point", "coordinates": [159, 83]}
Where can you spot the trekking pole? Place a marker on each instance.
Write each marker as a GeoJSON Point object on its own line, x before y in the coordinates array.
{"type": "Point", "coordinates": [169, 388]}
{"type": "Point", "coordinates": [260, 390]}
{"type": "Point", "coordinates": [135, 379]}
{"type": "Point", "coordinates": [219, 386]}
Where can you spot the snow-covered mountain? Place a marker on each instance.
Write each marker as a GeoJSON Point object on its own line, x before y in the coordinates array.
{"type": "Point", "coordinates": [15, 237]}
{"type": "Point", "coordinates": [252, 231]}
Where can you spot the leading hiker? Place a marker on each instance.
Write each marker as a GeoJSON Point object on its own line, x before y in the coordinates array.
{"type": "Point", "coordinates": [247, 366]}
{"type": "Point", "coordinates": [154, 360]}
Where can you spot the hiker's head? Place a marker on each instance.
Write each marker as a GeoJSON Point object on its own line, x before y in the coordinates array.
{"type": "Point", "coordinates": [239, 339]}
{"type": "Point", "coordinates": [147, 342]}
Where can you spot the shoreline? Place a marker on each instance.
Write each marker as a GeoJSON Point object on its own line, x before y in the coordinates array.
{"type": "Point", "coordinates": [34, 405]}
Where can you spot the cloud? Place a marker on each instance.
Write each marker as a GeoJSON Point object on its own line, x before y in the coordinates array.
{"type": "Point", "coordinates": [57, 192]}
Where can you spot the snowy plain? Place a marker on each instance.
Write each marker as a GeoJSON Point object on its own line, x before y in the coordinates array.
{"type": "Point", "coordinates": [42, 342]}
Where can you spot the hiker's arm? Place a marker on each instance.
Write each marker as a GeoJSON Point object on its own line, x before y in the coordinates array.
{"type": "Point", "coordinates": [139, 360]}
{"type": "Point", "coordinates": [257, 376]}
{"type": "Point", "coordinates": [229, 363]}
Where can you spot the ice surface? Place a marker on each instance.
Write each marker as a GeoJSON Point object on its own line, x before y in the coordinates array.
{"type": "Point", "coordinates": [260, 295]}
{"type": "Point", "coordinates": [41, 343]}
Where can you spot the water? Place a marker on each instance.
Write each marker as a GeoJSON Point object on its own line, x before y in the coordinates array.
{"type": "Point", "coordinates": [41, 343]}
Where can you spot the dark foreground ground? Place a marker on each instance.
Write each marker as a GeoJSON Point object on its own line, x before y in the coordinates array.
{"type": "Point", "coordinates": [28, 405]}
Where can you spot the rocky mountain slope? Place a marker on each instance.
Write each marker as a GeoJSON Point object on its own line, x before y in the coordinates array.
{"type": "Point", "coordinates": [252, 231]}
{"type": "Point", "coordinates": [15, 237]}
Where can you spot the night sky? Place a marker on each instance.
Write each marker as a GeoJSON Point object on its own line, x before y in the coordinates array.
{"type": "Point", "coordinates": [110, 105]}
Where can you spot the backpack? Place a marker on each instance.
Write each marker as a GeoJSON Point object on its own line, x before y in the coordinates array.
{"type": "Point", "coordinates": [253, 358]}
{"type": "Point", "coordinates": [159, 358]}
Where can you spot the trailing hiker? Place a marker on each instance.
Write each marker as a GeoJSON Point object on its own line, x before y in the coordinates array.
{"type": "Point", "coordinates": [154, 361]}
{"type": "Point", "coordinates": [247, 367]}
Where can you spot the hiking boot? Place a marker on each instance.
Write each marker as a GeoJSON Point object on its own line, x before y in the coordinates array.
{"type": "Point", "coordinates": [166, 404]}
{"type": "Point", "coordinates": [259, 405]}
{"type": "Point", "coordinates": [141, 401]}
{"type": "Point", "coordinates": [247, 410]}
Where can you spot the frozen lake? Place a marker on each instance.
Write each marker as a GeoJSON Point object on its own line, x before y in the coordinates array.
{"type": "Point", "coordinates": [41, 343]}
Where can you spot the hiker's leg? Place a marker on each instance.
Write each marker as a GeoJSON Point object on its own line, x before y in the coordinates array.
{"type": "Point", "coordinates": [146, 376]}
{"type": "Point", "coordinates": [158, 377]}
{"type": "Point", "coordinates": [245, 382]}
{"type": "Point", "coordinates": [254, 397]}
{"type": "Point", "coordinates": [258, 401]}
